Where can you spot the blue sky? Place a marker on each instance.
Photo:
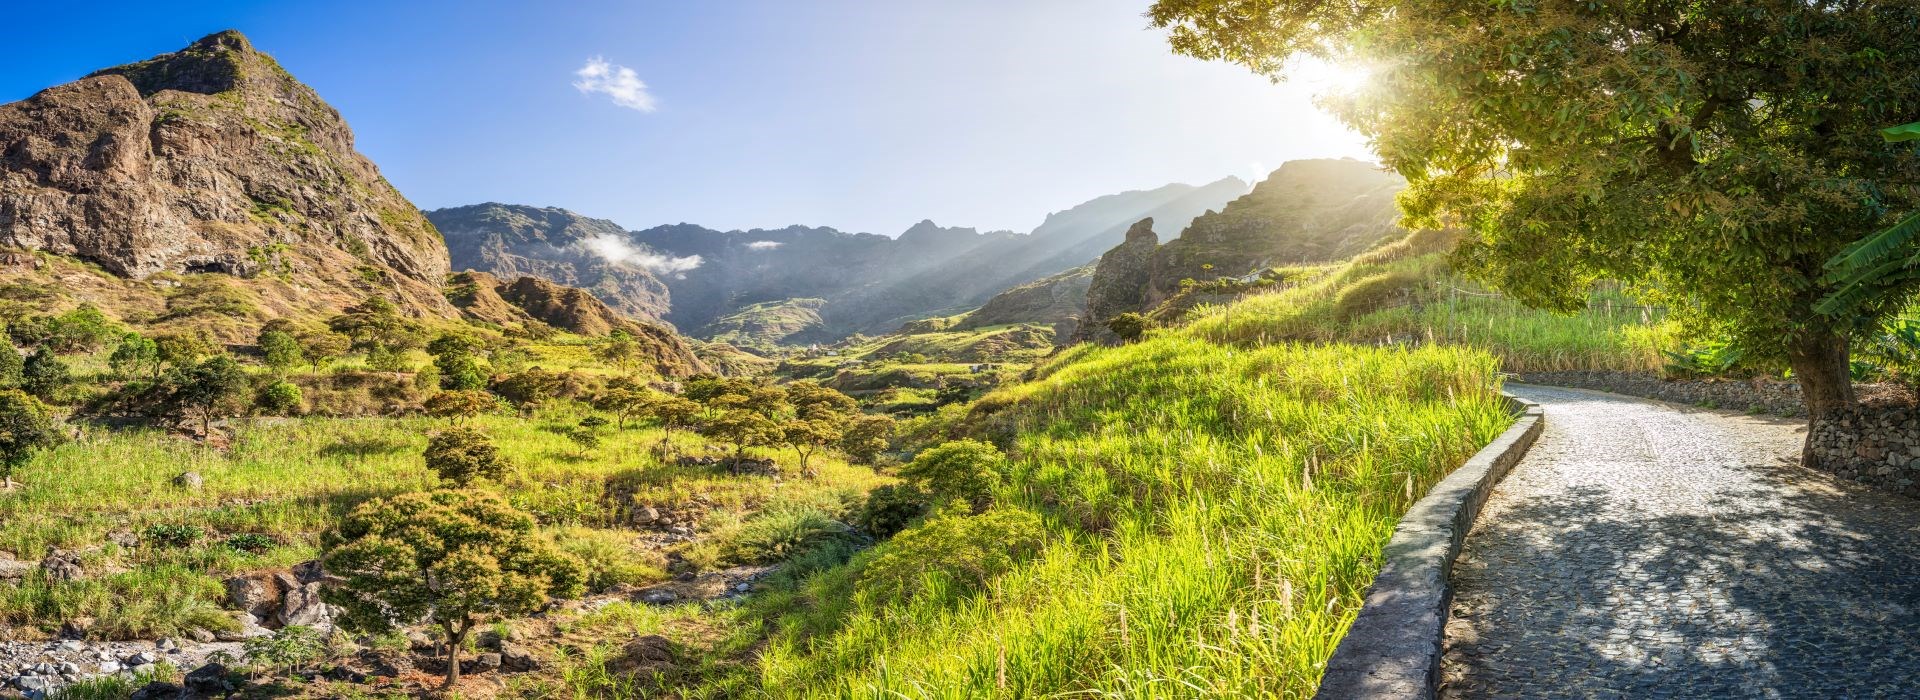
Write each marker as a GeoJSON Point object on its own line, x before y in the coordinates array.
{"type": "Point", "coordinates": [865, 116]}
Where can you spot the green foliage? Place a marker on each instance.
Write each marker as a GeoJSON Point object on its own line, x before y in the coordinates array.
{"type": "Point", "coordinates": [743, 429]}
{"type": "Point", "coordinates": [321, 347]}
{"type": "Point", "coordinates": [453, 559]}
{"type": "Point", "coordinates": [459, 405]}
{"type": "Point", "coordinates": [607, 563]}
{"type": "Point", "coordinates": [1130, 327]}
{"type": "Point", "coordinates": [776, 536]}
{"type": "Point", "coordinates": [45, 376]}
{"type": "Point", "coordinates": [461, 455]}
{"type": "Point", "coordinates": [288, 650]}
{"type": "Point", "coordinates": [281, 398]}
{"type": "Point", "coordinates": [619, 350]}
{"type": "Point", "coordinates": [12, 366]}
{"type": "Point", "coordinates": [952, 552]}
{"type": "Point", "coordinates": [135, 356]}
{"type": "Point", "coordinates": [215, 388]}
{"type": "Point", "coordinates": [625, 402]}
{"type": "Point", "coordinates": [1704, 359]}
{"type": "Point", "coordinates": [173, 535]}
{"type": "Point", "coordinates": [251, 543]}
{"type": "Point", "coordinates": [1375, 292]}
{"type": "Point", "coordinates": [26, 428]}
{"type": "Point", "coordinates": [181, 349]}
{"type": "Point", "coordinates": [890, 509]}
{"type": "Point", "coordinates": [968, 470]}
{"type": "Point", "coordinates": [281, 349]}
{"type": "Point", "coordinates": [85, 329]}
{"type": "Point", "coordinates": [866, 437]}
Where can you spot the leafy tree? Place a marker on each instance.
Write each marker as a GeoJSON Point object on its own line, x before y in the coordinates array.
{"type": "Point", "coordinates": [289, 649]}
{"type": "Point", "coordinates": [215, 388]}
{"type": "Point", "coordinates": [459, 405]}
{"type": "Point", "coordinates": [281, 349]}
{"type": "Point", "coordinates": [866, 438]}
{"type": "Point", "coordinates": [812, 401]}
{"type": "Point", "coordinates": [321, 347]}
{"type": "Point", "coordinates": [457, 357]}
{"type": "Point", "coordinates": [744, 429]}
{"type": "Point", "coordinates": [530, 387]}
{"type": "Point", "coordinates": [1130, 327]}
{"type": "Point", "coordinates": [807, 436]}
{"type": "Point", "coordinates": [45, 376]}
{"type": "Point", "coordinates": [386, 358]}
{"type": "Point", "coordinates": [890, 509]}
{"type": "Point", "coordinates": [620, 350]}
{"type": "Point", "coordinates": [586, 435]}
{"type": "Point", "coordinates": [460, 455]}
{"type": "Point", "coordinates": [26, 427]}
{"type": "Point", "coordinates": [454, 559]}
{"type": "Point", "coordinates": [625, 402]}
{"type": "Point", "coordinates": [135, 356]}
{"type": "Point", "coordinates": [181, 349]}
{"type": "Point", "coordinates": [280, 398]}
{"type": "Point", "coordinates": [84, 329]}
{"type": "Point", "coordinates": [12, 366]}
{"type": "Point", "coordinates": [1721, 152]}
{"type": "Point", "coordinates": [672, 412]}
{"type": "Point", "coordinates": [968, 470]}
{"type": "Point", "coordinates": [371, 323]}
{"type": "Point", "coordinates": [30, 331]}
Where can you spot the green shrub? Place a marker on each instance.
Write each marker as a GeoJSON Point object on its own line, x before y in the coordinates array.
{"type": "Point", "coordinates": [460, 455]}
{"type": "Point", "coordinates": [251, 543]}
{"type": "Point", "coordinates": [890, 509]}
{"type": "Point", "coordinates": [281, 399]}
{"type": "Point", "coordinates": [968, 470]}
{"type": "Point", "coordinates": [1375, 292]}
{"type": "Point", "coordinates": [609, 560]}
{"type": "Point", "coordinates": [779, 535]}
{"type": "Point", "coordinates": [958, 552]}
{"type": "Point", "coordinates": [173, 536]}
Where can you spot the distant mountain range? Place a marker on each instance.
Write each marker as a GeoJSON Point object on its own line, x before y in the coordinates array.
{"type": "Point", "coordinates": [694, 276]}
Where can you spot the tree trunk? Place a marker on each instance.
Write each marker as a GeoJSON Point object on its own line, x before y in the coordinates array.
{"type": "Point", "coordinates": [1820, 363]}
{"type": "Point", "coordinates": [454, 639]}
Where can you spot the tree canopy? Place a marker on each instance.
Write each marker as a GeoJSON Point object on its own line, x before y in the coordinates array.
{"type": "Point", "coordinates": [1718, 153]}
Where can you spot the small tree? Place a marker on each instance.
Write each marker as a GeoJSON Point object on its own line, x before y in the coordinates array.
{"type": "Point", "coordinates": [964, 469]}
{"type": "Point", "coordinates": [136, 355]}
{"type": "Point", "coordinates": [84, 329]}
{"type": "Point", "coordinates": [812, 401]}
{"type": "Point", "coordinates": [620, 350]}
{"type": "Point", "coordinates": [281, 398]}
{"type": "Point", "coordinates": [586, 435]}
{"type": "Point", "coordinates": [1130, 327]}
{"type": "Point", "coordinates": [459, 405]}
{"type": "Point", "coordinates": [321, 347]}
{"type": "Point", "coordinates": [457, 358]}
{"type": "Point", "coordinates": [12, 366]}
{"type": "Point", "coordinates": [866, 438]}
{"type": "Point", "coordinates": [454, 559]}
{"type": "Point", "coordinates": [45, 376]}
{"type": "Point", "coordinates": [181, 349]}
{"type": "Point", "coordinates": [282, 350]}
{"type": "Point", "coordinates": [26, 427]}
{"type": "Point", "coordinates": [672, 412]}
{"type": "Point", "coordinates": [215, 388]}
{"type": "Point", "coordinates": [807, 436]}
{"type": "Point", "coordinates": [744, 429]}
{"type": "Point", "coordinates": [625, 402]}
{"type": "Point", "coordinates": [460, 455]}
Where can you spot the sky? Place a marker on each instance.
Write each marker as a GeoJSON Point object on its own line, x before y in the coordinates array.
{"type": "Point", "coordinates": [863, 115]}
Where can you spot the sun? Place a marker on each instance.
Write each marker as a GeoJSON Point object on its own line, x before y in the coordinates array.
{"type": "Point", "coordinates": [1323, 77]}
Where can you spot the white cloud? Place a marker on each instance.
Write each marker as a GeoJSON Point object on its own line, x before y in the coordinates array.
{"type": "Point", "coordinates": [618, 82]}
{"type": "Point", "coordinates": [620, 251]}
{"type": "Point", "coordinates": [764, 245]}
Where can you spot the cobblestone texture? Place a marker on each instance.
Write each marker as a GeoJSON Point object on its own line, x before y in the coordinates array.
{"type": "Point", "coordinates": [1650, 550]}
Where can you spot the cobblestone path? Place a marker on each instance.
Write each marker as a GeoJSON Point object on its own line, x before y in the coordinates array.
{"type": "Point", "coordinates": [1643, 549]}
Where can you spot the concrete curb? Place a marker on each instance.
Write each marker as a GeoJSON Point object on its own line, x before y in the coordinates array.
{"type": "Point", "coordinates": [1393, 648]}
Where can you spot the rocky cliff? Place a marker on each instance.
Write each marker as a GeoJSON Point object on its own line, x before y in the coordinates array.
{"type": "Point", "coordinates": [1056, 301]}
{"type": "Point", "coordinates": [1120, 282]}
{"type": "Point", "coordinates": [213, 159]}
{"type": "Point", "coordinates": [484, 298]}
{"type": "Point", "coordinates": [559, 246]}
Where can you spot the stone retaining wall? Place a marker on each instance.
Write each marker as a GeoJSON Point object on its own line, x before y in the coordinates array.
{"type": "Point", "coordinates": [1758, 395]}
{"type": "Point", "coordinates": [1879, 447]}
{"type": "Point", "coordinates": [1393, 649]}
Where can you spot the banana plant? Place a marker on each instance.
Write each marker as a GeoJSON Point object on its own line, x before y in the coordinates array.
{"type": "Point", "coordinates": [1879, 261]}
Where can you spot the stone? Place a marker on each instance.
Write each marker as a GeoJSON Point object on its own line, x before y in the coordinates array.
{"type": "Point", "coordinates": [658, 597]}
{"type": "Point", "coordinates": [62, 565]}
{"type": "Point", "coordinates": [157, 690]}
{"type": "Point", "coordinates": [189, 480]}
{"type": "Point", "coordinates": [124, 539]}
{"type": "Point", "coordinates": [210, 679]}
{"type": "Point", "coordinates": [303, 606]}
{"type": "Point", "coordinates": [254, 594]}
{"type": "Point", "coordinates": [80, 625]}
{"type": "Point", "coordinates": [12, 569]}
{"type": "Point", "coordinates": [201, 635]}
{"type": "Point", "coordinates": [517, 659]}
{"type": "Point", "coordinates": [33, 684]}
{"type": "Point", "coordinates": [489, 661]}
{"type": "Point", "coordinates": [109, 667]}
{"type": "Point", "coordinates": [141, 658]}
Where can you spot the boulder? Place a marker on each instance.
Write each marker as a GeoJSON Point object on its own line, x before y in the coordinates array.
{"type": "Point", "coordinates": [302, 606]}
{"type": "Point", "coordinates": [62, 565]}
{"type": "Point", "coordinates": [517, 659]}
{"type": "Point", "coordinates": [76, 628]}
{"type": "Point", "coordinates": [256, 594]}
{"type": "Point", "coordinates": [213, 679]}
{"type": "Point", "coordinates": [189, 480]}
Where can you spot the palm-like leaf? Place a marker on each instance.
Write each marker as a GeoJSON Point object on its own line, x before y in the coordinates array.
{"type": "Point", "coordinates": [1903, 132]}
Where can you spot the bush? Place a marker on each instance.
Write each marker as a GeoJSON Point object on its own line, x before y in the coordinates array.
{"type": "Point", "coordinates": [173, 536]}
{"type": "Point", "coordinates": [252, 543]}
{"type": "Point", "coordinates": [779, 535]}
{"type": "Point", "coordinates": [960, 551]}
{"type": "Point", "coordinates": [1129, 326]}
{"type": "Point", "coordinates": [890, 509]}
{"type": "Point", "coordinates": [281, 399]}
{"type": "Point", "coordinates": [608, 561]}
{"type": "Point", "coordinates": [461, 455]}
{"type": "Point", "coordinates": [968, 470]}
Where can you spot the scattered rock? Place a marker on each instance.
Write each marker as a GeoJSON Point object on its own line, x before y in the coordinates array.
{"type": "Point", "coordinates": [517, 659]}
{"type": "Point", "coordinates": [189, 480]}
{"type": "Point", "coordinates": [658, 597]}
{"type": "Point", "coordinates": [211, 679]}
{"type": "Point", "coordinates": [125, 539]}
{"type": "Point", "coordinates": [157, 690]}
{"type": "Point", "coordinates": [489, 661]}
{"type": "Point", "coordinates": [255, 594]}
{"type": "Point", "coordinates": [302, 606]}
{"type": "Point", "coordinates": [62, 565]}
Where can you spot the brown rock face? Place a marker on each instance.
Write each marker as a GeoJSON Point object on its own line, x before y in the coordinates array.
{"type": "Point", "coordinates": [483, 297]}
{"type": "Point", "coordinates": [211, 159]}
{"type": "Point", "coordinates": [1120, 282]}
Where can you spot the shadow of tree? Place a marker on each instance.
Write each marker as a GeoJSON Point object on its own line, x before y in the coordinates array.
{"type": "Point", "coordinates": [1776, 581]}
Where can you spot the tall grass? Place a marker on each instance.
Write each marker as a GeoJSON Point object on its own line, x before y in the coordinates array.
{"type": "Point", "coordinates": [1215, 511]}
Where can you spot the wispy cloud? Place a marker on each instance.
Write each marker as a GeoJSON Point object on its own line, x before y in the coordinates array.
{"type": "Point", "coordinates": [615, 81]}
{"type": "Point", "coordinates": [621, 251]}
{"type": "Point", "coordinates": [764, 245]}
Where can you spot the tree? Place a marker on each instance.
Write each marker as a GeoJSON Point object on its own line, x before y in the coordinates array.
{"type": "Point", "coordinates": [215, 388]}
{"type": "Point", "coordinates": [744, 429]}
{"type": "Point", "coordinates": [453, 559]}
{"type": "Point", "coordinates": [812, 401]}
{"type": "Point", "coordinates": [866, 438]}
{"type": "Point", "coordinates": [281, 397]}
{"type": "Point", "coordinates": [135, 356]}
{"type": "Point", "coordinates": [456, 356]}
{"type": "Point", "coordinates": [806, 436]}
{"type": "Point", "coordinates": [968, 470]}
{"type": "Point", "coordinates": [1721, 152]}
{"type": "Point", "coordinates": [321, 347]}
{"type": "Point", "coordinates": [181, 349]}
{"type": "Point", "coordinates": [586, 435]}
{"type": "Point", "coordinates": [84, 329]}
{"type": "Point", "coordinates": [461, 455]}
{"type": "Point", "coordinates": [672, 412]}
{"type": "Point", "coordinates": [12, 366]}
{"type": "Point", "coordinates": [26, 427]}
{"type": "Point", "coordinates": [459, 405]}
{"type": "Point", "coordinates": [282, 350]}
{"type": "Point", "coordinates": [625, 402]}
{"type": "Point", "coordinates": [45, 376]}
{"type": "Point", "coordinates": [620, 350]}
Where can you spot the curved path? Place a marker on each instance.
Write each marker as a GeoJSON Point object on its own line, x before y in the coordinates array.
{"type": "Point", "coordinates": [1644, 549]}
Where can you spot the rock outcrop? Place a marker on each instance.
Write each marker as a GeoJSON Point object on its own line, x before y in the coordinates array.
{"type": "Point", "coordinates": [1120, 283]}
{"type": "Point", "coordinates": [212, 159]}
{"type": "Point", "coordinates": [484, 298]}
{"type": "Point", "coordinates": [1057, 301]}
{"type": "Point", "coordinates": [559, 246]}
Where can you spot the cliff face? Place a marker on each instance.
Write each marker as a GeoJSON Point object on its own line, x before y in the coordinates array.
{"type": "Point", "coordinates": [485, 298]}
{"type": "Point", "coordinates": [212, 159]}
{"type": "Point", "coordinates": [559, 246]}
{"type": "Point", "coordinates": [1120, 282]}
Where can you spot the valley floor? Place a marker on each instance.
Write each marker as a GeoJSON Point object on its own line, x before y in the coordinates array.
{"type": "Point", "coordinates": [1644, 549]}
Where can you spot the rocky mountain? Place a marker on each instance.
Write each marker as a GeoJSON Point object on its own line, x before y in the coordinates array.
{"type": "Point", "coordinates": [559, 246]}
{"type": "Point", "coordinates": [866, 283]}
{"type": "Point", "coordinates": [768, 325]}
{"type": "Point", "coordinates": [213, 159]}
{"type": "Point", "coordinates": [530, 300]}
{"type": "Point", "coordinates": [1057, 301]}
{"type": "Point", "coordinates": [1307, 211]}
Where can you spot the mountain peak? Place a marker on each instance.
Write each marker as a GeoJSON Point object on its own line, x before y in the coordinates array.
{"type": "Point", "coordinates": [211, 65]}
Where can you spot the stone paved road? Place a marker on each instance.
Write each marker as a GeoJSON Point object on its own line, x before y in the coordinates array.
{"type": "Point", "coordinates": [1644, 549]}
